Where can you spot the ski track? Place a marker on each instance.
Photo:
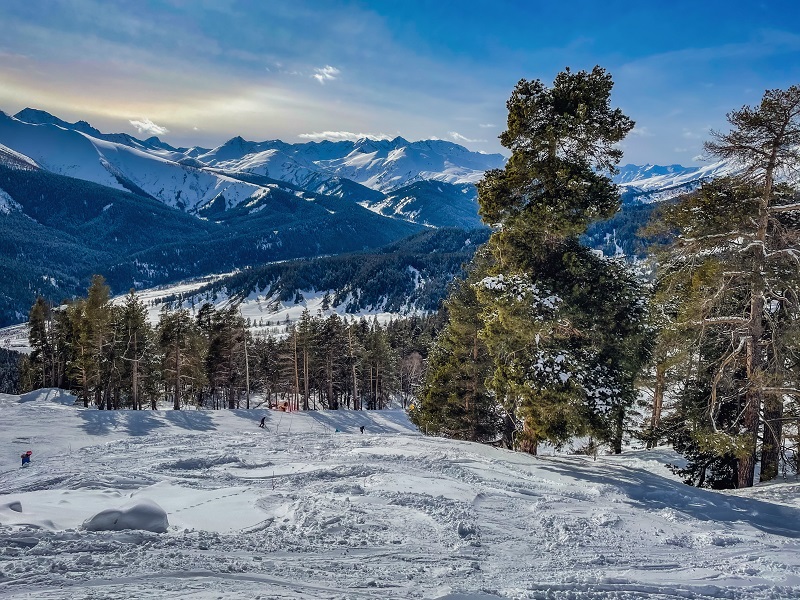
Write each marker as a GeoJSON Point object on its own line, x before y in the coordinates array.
{"type": "Point", "coordinates": [314, 514]}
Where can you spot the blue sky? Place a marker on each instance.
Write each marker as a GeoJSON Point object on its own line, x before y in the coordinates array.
{"type": "Point", "coordinates": [198, 72]}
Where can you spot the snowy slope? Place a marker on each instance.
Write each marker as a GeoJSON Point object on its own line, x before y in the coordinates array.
{"type": "Point", "coordinates": [382, 165]}
{"type": "Point", "coordinates": [301, 510]}
{"type": "Point", "coordinates": [652, 183]}
{"type": "Point", "coordinates": [117, 165]}
{"type": "Point", "coordinates": [15, 160]}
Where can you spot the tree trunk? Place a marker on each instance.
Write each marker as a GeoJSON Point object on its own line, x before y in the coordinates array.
{"type": "Point", "coordinates": [658, 403]}
{"type": "Point", "coordinates": [773, 429]}
{"type": "Point", "coordinates": [755, 360]}
{"type": "Point", "coordinates": [177, 403]}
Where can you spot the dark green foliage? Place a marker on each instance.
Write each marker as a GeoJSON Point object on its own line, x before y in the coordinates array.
{"type": "Point", "coordinates": [10, 365]}
{"type": "Point", "coordinates": [454, 400]}
{"type": "Point", "coordinates": [412, 272]}
{"type": "Point", "coordinates": [564, 329]}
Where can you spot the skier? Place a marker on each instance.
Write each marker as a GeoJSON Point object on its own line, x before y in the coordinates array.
{"type": "Point", "coordinates": [262, 423]}
{"type": "Point", "coordinates": [26, 458]}
{"type": "Point", "coordinates": [362, 429]}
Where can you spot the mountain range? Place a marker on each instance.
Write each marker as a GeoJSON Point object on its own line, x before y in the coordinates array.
{"type": "Point", "coordinates": [75, 201]}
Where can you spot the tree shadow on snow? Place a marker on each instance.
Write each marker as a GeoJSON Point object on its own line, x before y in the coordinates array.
{"type": "Point", "coordinates": [103, 422]}
{"type": "Point", "coordinates": [652, 492]}
{"type": "Point", "coordinates": [195, 420]}
{"type": "Point", "coordinates": [99, 422]}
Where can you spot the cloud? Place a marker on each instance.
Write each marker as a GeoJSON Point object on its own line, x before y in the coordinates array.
{"type": "Point", "coordinates": [337, 136]}
{"type": "Point", "coordinates": [461, 138]}
{"type": "Point", "coordinates": [326, 73]}
{"type": "Point", "coordinates": [147, 126]}
{"type": "Point", "coordinates": [641, 132]}
{"type": "Point", "coordinates": [487, 125]}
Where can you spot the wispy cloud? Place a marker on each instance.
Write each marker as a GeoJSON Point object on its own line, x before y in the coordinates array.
{"type": "Point", "coordinates": [336, 136]}
{"type": "Point", "coordinates": [487, 125]}
{"type": "Point", "coordinates": [641, 131]}
{"type": "Point", "coordinates": [147, 126]}
{"type": "Point", "coordinates": [462, 138]}
{"type": "Point", "coordinates": [326, 73]}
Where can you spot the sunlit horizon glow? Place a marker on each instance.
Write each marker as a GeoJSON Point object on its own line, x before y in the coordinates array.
{"type": "Point", "coordinates": [205, 71]}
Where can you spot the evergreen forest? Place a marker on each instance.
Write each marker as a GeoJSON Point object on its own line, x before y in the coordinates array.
{"type": "Point", "coordinates": [112, 358]}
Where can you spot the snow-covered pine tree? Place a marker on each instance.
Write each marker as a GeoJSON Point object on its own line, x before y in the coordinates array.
{"type": "Point", "coordinates": [454, 400]}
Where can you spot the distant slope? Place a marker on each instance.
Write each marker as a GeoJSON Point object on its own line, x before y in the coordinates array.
{"type": "Point", "coordinates": [432, 203]}
{"type": "Point", "coordinates": [56, 231]}
{"type": "Point", "coordinates": [409, 275]}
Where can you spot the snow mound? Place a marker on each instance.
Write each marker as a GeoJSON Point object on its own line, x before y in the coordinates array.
{"type": "Point", "coordinates": [49, 395]}
{"type": "Point", "coordinates": [143, 514]}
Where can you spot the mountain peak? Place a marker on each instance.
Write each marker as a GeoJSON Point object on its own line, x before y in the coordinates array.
{"type": "Point", "coordinates": [36, 116]}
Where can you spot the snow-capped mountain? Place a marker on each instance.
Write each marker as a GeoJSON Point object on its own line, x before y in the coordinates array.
{"type": "Point", "coordinates": [129, 164]}
{"type": "Point", "coordinates": [383, 165]}
{"type": "Point", "coordinates": [373, 173]}
{"type": "Point", "coordinates": [652, 183]}
{"type": "Point", "coordinates": [193, 178]}
{"type": "Point", "coordinates": [431, 203]}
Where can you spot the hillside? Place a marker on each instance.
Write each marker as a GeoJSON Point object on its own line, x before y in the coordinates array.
{"type": "Point", "coordinates": [299, 510]}
{"type": "Point", "coordinates": [56, 231]}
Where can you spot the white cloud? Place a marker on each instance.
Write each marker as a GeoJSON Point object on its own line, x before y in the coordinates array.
{"type": "Point", "coordinates": [336, 136]}
{"type": "Point", "coordinates": [461, 138]}
{"type": "Point", "coordinates": [326, 73]}
{"type": "Point", "coordinates": [641, 132]}
{"type": "Point", "coordinates": [147, 126]}
{"type": "Point", "coordinates": [487, 125]}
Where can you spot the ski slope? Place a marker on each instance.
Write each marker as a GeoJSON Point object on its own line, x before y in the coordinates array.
{"type": "Point", "coordinates": [301, 510]}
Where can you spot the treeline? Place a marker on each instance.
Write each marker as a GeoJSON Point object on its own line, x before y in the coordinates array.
{"type": "Point", "coordinates": [112, 358]}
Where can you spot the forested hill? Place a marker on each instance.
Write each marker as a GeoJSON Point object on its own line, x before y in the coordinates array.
{"type": "Point", "coordinates": [410, 274]}
{"type": "Point", "coordinates": [56, 231]}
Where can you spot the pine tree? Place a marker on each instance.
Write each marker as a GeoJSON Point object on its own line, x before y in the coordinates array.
{"type": "Point", "coordinates": [137, 348]}
{"type": "Point", "coordinates": [454, 400]}
{"type": "Point", "coordinates": [765, 140]}
{"type": "Point", "coordinates": [183, 348]}
{"type": "Point", "coordinates": [564, 328]}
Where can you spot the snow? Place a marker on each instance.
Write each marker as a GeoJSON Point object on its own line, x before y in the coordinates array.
{"type": "Point", "coordinates": [220, 508]}
{"type": "Point", "coordinates": [143, 514]}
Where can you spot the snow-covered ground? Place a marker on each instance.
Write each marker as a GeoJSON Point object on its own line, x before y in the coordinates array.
{"type": "Point", "coordinates": [301, 510]}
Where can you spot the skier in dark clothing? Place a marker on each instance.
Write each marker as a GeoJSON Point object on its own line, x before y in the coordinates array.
{"type": "Point", "coordinates": [362, 429]}
{"type": "Point", "coordinates": [262, 422]}
{"type": "Point", "coordinates": [26, 458]}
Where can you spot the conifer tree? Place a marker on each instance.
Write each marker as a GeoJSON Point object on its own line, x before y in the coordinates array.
{"type": "Point", "coordinates": [564, 328]}
{"type": "Point", "coordinates": [137, 348]}
{"type": "Point", "coordinates": [734, 265]}
{"type": "Point", "coordinates": [183, 349]}
{"type": "Point", "coordinates": [454, 400]}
